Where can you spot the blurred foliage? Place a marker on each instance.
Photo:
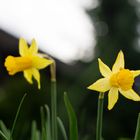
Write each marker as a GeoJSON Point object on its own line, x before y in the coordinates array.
{"type": "Point", "coordinates": [116, 23]}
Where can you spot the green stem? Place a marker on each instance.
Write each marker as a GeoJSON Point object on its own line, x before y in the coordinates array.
{"type": "Point", "coordinates": [99, 117]}
{"type": "Point", "coordinates": [54, 110]}
{"type": "Point", "coordinates": [17, 114]}
{"type": "Point", "coordinates": [137, 133]}
{"type": "Point", "coordinates": [53, 101]}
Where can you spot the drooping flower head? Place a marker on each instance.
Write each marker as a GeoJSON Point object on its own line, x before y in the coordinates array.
{"type": "Point", "coordinates": [29, 61]}
{"type": "Point", "coordinates": [118, 80]}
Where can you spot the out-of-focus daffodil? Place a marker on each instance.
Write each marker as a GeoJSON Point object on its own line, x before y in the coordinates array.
{"type": "Point", "coordinates": [118, 80]}
{"type": "Point", "coordinates": [29, 61]}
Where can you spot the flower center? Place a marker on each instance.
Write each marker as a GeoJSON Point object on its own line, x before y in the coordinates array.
{"type": "Point", "coordinates": [123, 79]}
{"type": "Point", "coordinates": [17, 64]}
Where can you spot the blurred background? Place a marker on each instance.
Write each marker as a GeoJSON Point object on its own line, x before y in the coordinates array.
{"type": "Point", "coordinates": [75, 33]}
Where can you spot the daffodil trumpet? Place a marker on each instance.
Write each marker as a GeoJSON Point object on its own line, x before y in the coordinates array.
{"type": "Point", "coordinates": [29, 62]}
{"type": "Point", "coordinates": [115, 81]}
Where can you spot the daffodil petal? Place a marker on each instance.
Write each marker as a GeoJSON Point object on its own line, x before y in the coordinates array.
{"type": "Point", "coordinates": [40, 63]}
{"type": "Point", "coordinates": [135, 73]}
{"type": "Point", "coordinates": [119, 63]}
{"type": "Point", "coordinates": [104, 69]}
{"type": "Point", "coordinates": [23, 47]}
{"type": "Point", "coordinates": [130, 94]}
{"type": "Point", "coordinates": [112, 97]}
{"type": "Point", "coordinates": [36, 75]}
{"type": "Point", "coordinates": [28, 75]}
{"type": "Point", "coordinates": [33, 48]}
{"type": "Point", "coordinates": [101, 85]}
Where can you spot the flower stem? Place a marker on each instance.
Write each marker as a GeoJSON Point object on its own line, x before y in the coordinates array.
{"type": "Point", "coordinates": [99, 117]}
{"type": "Point", "coordinates": [53, 102]}
{"type": "Point", "coordinates": [53, 70]}
{"type": "Point", "coordinates": [137, 133]}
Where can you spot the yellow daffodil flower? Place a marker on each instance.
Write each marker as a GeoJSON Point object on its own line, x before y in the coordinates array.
{"type": "Point", "coordinates": [118, 80]}
{"type": "Point", "coordinates": [29, 61]}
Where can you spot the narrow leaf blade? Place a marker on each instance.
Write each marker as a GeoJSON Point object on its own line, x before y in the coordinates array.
{"type": "Point", "coordinates": [3, 135]}
{"type": "Point", "coordinates": [72, 119]}
{"type": "Point", "coordinates": [62, 128]}
{"type": "Point", "coordinates": [48, 123]}
{"type": "Point", "coordinates": [43, 127]}
{"type": "Point", "coordinates": [4, 129]}
{"type": "Point", "coordinates": [35, 134]}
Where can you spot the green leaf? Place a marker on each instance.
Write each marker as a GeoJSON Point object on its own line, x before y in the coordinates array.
{"type": "Point", "coordinates": [62, 128]}
{"type": "Point", "coordinates": [35, 134]}
{"type": "Point", "coordinates": [125, 139]}
{"type": "Point", "coordinates": [48, 123]}
{"type": "Point", "coordinates": [73, 129]}
{"type": "Point", "coordinates": [3, 136]}
{"type": "Point", "coordinates": [33, 131]}
{"type": "Point", "coordinates": [137, 133]}
{"type": "Point", "coordinates": [17, 114]}
{"type": "Point", "coordinates": [4, 129]}
{"type": "Point", "coordinates": [43, 126]}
